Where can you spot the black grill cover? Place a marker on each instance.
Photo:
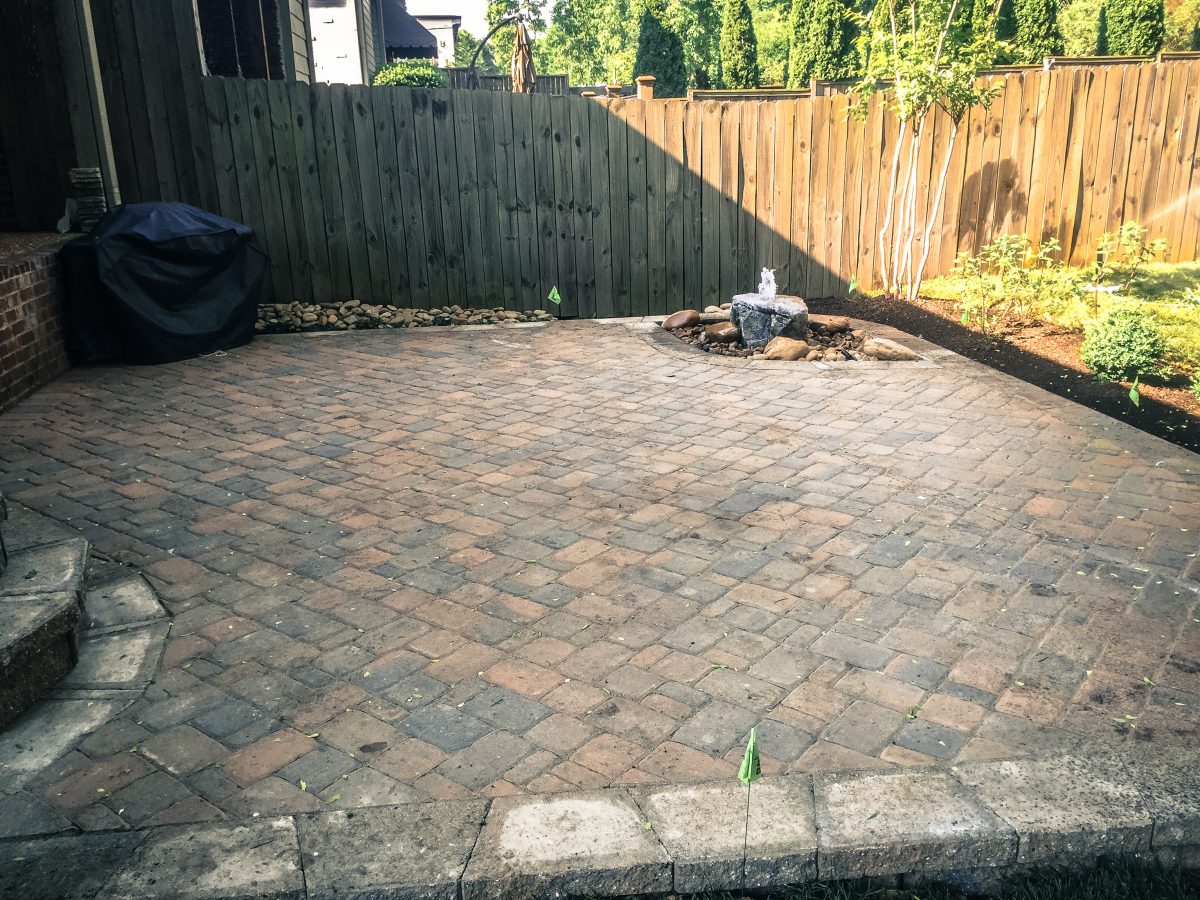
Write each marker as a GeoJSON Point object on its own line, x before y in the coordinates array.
{"type": "Point", "coordinates": [157, 282]}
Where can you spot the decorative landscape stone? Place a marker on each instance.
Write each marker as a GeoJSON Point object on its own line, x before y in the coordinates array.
{"type": "Point", "coordinates": [882, 348]}
{"type": "Point", "coordinates": [685, 318]}
{"type": "Point", "coordinates": [761, 318]}
{"type": "Point", "coordinates": [786, 348]}
{"type": "Point", "coordinates": [353, 315]}
{"type": "Point", "coordinates": [721, 333]}
{"type": "Point", "coordinates": [830, 339]}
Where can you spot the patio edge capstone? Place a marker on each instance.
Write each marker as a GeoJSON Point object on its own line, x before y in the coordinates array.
{"type": "Point", "coordinates": [976, 821]}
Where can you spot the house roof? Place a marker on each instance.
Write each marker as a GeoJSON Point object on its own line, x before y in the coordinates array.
{"type": "Point", "coordinates": [402, 30]}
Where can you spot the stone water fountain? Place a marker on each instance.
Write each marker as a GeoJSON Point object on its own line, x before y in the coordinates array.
{"type": "Point", "coordinates": [778, 326]}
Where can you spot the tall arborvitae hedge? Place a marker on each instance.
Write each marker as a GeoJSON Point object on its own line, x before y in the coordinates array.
{"type": "Point", "coordinates": [799, 54]}
{"type": "Point", "coordinates": [831, 31]}
{"type": "Point", "coordinates": [739, 47]}
{"type": "Point", "coordinates": [1133, 27]}
{"type": "Point", "coordinates": [1037, 32]}
{"type": "Point", "coordinates": [660, 53]}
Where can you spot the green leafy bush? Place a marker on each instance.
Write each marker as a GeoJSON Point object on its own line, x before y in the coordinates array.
{"type": "Point", "coordinates": [1122, 345]}
{"type": "Point", "coordinates": [1012, 277]}
{"type": "Point", "coordinates": [1121, 255]}
{"type": "Point", "coordinates": [410, 73]}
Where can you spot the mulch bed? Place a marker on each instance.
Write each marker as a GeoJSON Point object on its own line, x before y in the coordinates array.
{"type": "Point", "coordinates": [1042, 354]}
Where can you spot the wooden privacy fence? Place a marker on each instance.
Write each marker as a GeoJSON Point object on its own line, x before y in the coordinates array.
{"type": "Point", "coordinates": [545, 84]}
{"type": "Point", "coordinates": [425, 198]}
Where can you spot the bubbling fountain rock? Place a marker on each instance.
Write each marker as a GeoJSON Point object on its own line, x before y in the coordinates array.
{"type": "Point", "coordinates": [766, 314]}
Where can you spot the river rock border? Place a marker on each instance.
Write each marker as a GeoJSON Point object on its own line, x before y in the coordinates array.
{"type": "Point", "coordinates": [649, 328]}
{"type": "Point", "coordinates": [971, 824]}
{"type": "Point", "coordinates": [353, 315]}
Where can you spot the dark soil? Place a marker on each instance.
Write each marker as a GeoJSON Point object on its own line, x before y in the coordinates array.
{"type": "Point", "coordinates": [1042, 354]}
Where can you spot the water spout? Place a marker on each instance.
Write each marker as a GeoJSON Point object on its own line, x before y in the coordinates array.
{"type": "Point", "coordinates": [766, 287]}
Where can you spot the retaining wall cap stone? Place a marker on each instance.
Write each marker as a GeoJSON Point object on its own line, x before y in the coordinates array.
{"type": "Point", "coordinates": [1062, 807]}
{"type": "Point", "coordinates": [890, 823]}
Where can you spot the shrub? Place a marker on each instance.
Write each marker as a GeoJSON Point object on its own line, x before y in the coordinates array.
{"type": "Point", "coordinates": [799, 57]}
{"type": "Point", "coordinates": [739, 47]}
{"type": "Point", "coordinates": [1122, 345]}
{"type": "Point", "coordinates": [1079, 21]}
{"type": "Point", "coordinates": [410, 73]}
{"type": "Point", "coordinates": [1010, 276]}
{"type": "Point", "coordinates": [660, 53]}
{"type": "Point", "coordinates": [831, 34]}
{"type": "Point", "coordinates": [1037, 32]}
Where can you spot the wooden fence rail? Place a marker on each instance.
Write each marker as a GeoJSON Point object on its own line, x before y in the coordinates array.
{"type": "Point", "coordinates": [482, 198]}
{"type": "Point", "coordinates": [545, 84]}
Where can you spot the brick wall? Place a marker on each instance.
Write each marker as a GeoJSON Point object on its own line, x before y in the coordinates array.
{"type": "Point", "coordinates": [31, 339]}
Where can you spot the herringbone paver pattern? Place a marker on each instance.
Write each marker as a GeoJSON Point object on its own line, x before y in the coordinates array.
{"type": "Point", "coordinates": [454, 563]}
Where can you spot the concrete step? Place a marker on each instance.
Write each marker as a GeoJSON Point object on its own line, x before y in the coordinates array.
{"type": "Point", "coordinates": [41, 595]}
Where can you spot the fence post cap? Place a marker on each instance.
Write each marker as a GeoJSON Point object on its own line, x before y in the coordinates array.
{"type": "Point", "coordinates": [645, 79]}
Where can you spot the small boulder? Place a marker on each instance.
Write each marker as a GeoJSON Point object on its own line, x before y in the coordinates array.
{"type": "Point", "coordinates": [762, 318]}
{"type": "Point", "coordinates": [882, 348]}
{"type": "Point", "coordinates": [785, 348]}
{"type": "Point", "coordinates": [721, 333]}
{"type": "Point", "coordinates": [828, 324]}
{"type": "Point", "coordinates": [685, 318]}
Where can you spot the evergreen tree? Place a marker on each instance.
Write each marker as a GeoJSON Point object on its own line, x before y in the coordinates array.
{"type": "Point", "coordinates": [1006, 21]}
{"type": "Point", "coordinates": [660, 53]}
{"type": "Point", "coordinates": [830, 43]}
{"type": "Point", "coordinates": [1037, 32]}
{"type": "Point", "coordinates": [1134, 27]}
{"type": "Point", "coordinates": [799, 55]}
{"type": "Point", "coordinates": [739, 47]}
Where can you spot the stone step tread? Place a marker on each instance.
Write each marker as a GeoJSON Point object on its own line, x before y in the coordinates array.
{"type": "Point", "coordinates": [58, 567]}
{"type": "Point", "coordinates": [123, 601]}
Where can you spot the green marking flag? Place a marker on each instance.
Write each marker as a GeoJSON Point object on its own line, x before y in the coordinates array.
{"type": "Point", "coordinates": [554, 298]}
{"type": "Point", "coordinates": [750, 770]}
{"type": "Point", "coordinates": [1134, 394]}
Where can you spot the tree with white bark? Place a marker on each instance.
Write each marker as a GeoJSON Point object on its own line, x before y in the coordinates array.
{"type": "Point", "coordinates": [920, 55]}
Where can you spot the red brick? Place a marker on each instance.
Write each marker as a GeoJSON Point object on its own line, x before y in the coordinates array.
{"type": "Point", "coordinates": [267, 756]}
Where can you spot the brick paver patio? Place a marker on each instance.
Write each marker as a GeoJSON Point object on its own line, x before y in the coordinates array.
{"type": "Point", "coordinates": [428, 564]}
